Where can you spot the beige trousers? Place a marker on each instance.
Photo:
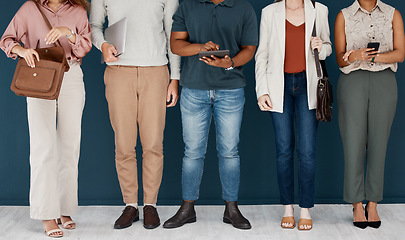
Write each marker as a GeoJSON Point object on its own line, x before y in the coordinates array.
{"type": "Point", "coordinates": [55, 132]}
{"type": "Point", "coordinates": [137, 97]}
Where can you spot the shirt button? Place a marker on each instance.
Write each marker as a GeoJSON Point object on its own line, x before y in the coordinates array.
{"type": "Point", "coordinates": [371, 26]}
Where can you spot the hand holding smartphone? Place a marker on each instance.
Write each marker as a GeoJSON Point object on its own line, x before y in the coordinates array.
{"type": "Point", "coordinates": [375, 46]}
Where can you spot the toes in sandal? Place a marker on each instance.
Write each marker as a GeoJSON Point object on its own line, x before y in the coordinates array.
{"type": "Point", "coordinates": [57, 230]}
{"type": "Point", "coordinates": [304, 222]}
{"type": "Point", "coordinates": [287, 220]}
{"type": "Point", "coordinates": [66, 224]}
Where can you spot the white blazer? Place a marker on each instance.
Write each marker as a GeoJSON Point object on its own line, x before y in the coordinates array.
{"type": "Point", "coordinates": [271, 52]}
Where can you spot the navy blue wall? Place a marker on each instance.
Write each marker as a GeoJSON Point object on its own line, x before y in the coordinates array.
{"type": "Point", "coordinates": [98, 182]}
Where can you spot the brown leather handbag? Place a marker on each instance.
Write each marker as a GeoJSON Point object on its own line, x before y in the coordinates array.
{"type": "Point", "coordinates": [324, 92]}
{"type": "Point", "coordinates": [45, 80]}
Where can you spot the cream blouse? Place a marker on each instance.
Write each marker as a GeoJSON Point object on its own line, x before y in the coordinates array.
{"type": "Point", "coordinates": [362, 27]}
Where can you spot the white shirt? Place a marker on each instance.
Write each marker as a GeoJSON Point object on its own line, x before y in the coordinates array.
{"type": "Point", "coordinates": [271, 52]}
{"type": "Point", "coordinates": [148, 33]}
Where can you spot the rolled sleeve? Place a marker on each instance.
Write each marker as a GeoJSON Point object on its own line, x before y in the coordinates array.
{"type": "Point", "coordinates": [82, 45]}
{"type": "Point", "coordinates": [13, 35]}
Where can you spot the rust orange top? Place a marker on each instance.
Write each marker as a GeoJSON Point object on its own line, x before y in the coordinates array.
{"type": "Point", "coordinates": [294, 61]}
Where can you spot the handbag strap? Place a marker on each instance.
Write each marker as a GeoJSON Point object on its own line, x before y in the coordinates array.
{"type": "Point", "coordinates": [316, 52]}
{"type": "Point", "coordinates": [46, 20]}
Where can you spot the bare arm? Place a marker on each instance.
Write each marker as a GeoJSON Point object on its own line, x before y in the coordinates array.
{"type": "Point", "coordinates": [398, 54]}
{"type": "Point", "coordinates": [340, 40]}
{"type": "Point", "coordinates": [181, 46]}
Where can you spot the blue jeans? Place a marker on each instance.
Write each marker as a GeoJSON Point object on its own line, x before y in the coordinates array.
{"type": "Point", "coordinates": [296, 108]}
{"type": "Point", "coordinates": [197, 108]}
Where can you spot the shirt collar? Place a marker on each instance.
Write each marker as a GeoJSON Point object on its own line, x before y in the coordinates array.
{"type": "Point", "coordinates": [357, 7]}
{"type": "Point", "coordinates": [228, 3]}
{"type": "Point", "coordinates": [46, 1]}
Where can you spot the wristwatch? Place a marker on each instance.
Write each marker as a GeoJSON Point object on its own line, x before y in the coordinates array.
{"type": "Point", "coordinates": [71, 34]}
{"type": "Point", "coordinates": [231, 67]}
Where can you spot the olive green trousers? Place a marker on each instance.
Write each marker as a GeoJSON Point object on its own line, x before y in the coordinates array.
{"type": "Point", "coordinates": [366, 107]}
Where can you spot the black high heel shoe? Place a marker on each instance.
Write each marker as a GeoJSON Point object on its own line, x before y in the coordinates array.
{"type": "Point", "coordinates": [361, 225]}
{"type": "Point", "coordinates": [374, 224]}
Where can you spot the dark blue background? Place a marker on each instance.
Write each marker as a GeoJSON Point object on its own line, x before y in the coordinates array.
{"type": "Point", "coordinates": [98, 182]}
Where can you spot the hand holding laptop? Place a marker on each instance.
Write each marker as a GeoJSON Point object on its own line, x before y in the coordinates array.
{"type": "Point", "coordinates": [115, 36]}
{"type": "Point", "coordinates": [109, 52]}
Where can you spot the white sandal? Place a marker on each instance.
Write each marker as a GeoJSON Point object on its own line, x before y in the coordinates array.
{"type": "Point", "coordinates": [67, 224]}
{"type": "Point", "coordinates": [57, 230]}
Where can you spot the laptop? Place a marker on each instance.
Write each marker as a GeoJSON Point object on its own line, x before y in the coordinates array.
{"type": "Point", "coordinates": [116, 35]}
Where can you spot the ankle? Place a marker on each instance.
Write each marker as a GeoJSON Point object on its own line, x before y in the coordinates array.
{"type": "Point", "coordinates": [305, 213]}
{"type": "Point", "coordinates": [371, 206]}
{"type": "Point", "coordinates": [358, 205]}
{"type": "Point", "coordinates": [288, 210]}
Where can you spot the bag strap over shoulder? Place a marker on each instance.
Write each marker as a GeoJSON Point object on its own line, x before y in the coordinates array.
{"type": "Point", "coordinates": [46, 20]}
{"type": "Point", "coordinates": [316, 52]}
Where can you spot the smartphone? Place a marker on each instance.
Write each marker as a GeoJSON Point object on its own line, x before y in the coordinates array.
{"type": "Point", "coordinates": [375, 45]}
{"type": "Point", "coordinates": [170, 101]}
{"type": "Point", "coordinates": [218, 54]}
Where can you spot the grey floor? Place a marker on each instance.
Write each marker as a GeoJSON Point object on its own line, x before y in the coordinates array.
{"type": "Point", "coordinates": [330, 222]}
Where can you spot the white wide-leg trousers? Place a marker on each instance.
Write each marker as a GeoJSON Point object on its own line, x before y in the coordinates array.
{"type": "Point", "coordinates": [55, 133]}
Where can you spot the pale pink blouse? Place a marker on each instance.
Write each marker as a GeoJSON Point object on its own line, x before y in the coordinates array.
{"type": "Point", "coordinates": [28, 26]}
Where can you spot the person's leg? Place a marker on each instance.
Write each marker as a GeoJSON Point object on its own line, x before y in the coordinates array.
{"type": "Point", "coordinates": [228, 112]}
{"type": "Point", "coordinates": [307, 126]}
{"type": "Point", "coordinates": [283, 124]}
{"type": "Point", "coordinates": [196, 114]}
{"type": "Point", "coordinates": [70, 106]}
{"type": "Point", "coordinates": [383, 102]}
{"type": "Point", "coordinates": [121, 93]}
{"type": "Point", "coordinates": [353, 100]}
{"type": "Point", "coordinates": [44, 195]}
{"type": "Point", "coordinates": [152, 91]}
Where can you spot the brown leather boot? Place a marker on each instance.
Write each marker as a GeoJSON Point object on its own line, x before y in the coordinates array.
{"type": "Point", "coordinates": [150, 217]}
{"type": "Point", "coordinates": [128, 216]}
{"type": "Point", "coordinates": [186, 214]}
{"type": "Point", "coordinates": [233, 216]}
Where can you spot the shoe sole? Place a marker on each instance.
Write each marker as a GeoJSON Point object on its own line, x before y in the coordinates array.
{"type": "Point", "coordinates": [122, 227]}
{"type": "Point", "coordinates": [226, 220]}
{"type": "Point", "coordinates": [191, 220]}
{"type": "Point", "coordinates": [151, 226]}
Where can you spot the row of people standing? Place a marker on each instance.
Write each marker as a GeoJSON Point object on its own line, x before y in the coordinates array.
{"type": "Point", "coordinates": [139, 87]}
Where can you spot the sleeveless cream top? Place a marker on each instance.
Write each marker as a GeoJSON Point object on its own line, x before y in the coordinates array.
{"type": "Point", "coordinates": [362, 27]}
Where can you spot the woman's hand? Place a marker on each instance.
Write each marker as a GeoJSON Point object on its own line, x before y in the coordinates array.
{"type": "Point", "coordinates": [225, 62]}
{"type": "Point", "coordinates": [363, 54]}
{"type": "Point", "coordinates": [264, 103]}
{"type": "Point", "coordinates": [56, 33]}
{"type": "Point", "coordinates": [316, 42]}
{"type": "Point", "coordinates": [27, 54]}
{"type": "Point", "coordinates": [172, 93]}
